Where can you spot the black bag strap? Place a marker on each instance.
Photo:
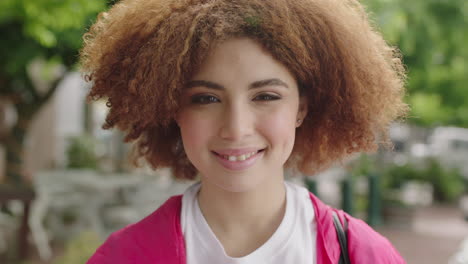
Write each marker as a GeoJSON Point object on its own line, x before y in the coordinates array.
{"type": "Point", "coordinates": [344, 256]}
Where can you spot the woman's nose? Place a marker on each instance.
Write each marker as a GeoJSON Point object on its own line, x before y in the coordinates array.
{"type": "Point", "coordinates": [236, 122]}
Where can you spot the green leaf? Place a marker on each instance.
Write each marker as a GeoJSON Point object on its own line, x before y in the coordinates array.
{"type": "Point", "coordinates": [427, 108]}
{"type": "Point", "coordinates": [43, 35]}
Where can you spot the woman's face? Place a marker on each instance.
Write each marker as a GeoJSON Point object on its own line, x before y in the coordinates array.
{"type": "Point", "coordinates": [239, 115]}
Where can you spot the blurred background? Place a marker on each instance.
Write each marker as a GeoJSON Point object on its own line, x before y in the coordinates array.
{"type": "Point", "coordinates": [65, 184]}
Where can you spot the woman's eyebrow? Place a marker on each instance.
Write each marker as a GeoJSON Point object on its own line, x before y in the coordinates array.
{"type": "Point", "coordinates": [268, 82]}
{"type": "Point", "coordinates": [254, 85]}
{"type": "Point", "coordinates": [203, 83]}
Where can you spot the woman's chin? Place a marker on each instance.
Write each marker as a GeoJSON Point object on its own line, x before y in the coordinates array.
{"type": "Point", "coordinates": [234, 185]}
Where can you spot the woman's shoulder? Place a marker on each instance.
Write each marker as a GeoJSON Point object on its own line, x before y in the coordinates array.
{"type": "Point", "coordinates": [365, 245]}
{"type": "Point", "coordinates": [155, 237]}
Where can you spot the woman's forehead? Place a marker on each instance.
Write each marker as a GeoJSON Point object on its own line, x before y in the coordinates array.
{"type": "Point", "coordinates": [243, 60]}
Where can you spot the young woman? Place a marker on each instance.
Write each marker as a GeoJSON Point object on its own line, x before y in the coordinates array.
{"type": "Point", "coordinates": [232, 92]}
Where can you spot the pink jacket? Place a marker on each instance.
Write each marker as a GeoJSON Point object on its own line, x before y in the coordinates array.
{"type": "Point", "coordinates": [158, 239]}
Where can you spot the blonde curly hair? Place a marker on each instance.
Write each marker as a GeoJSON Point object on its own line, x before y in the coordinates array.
{"type": "Point", "coordinates": [140, 54]}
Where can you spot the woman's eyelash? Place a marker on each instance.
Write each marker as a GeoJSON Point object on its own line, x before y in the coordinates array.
{"type": "Point", "coordinates": [208, 99]}
{"type": "Point", "coordinates": [204, 99]}
{"type": "Point", "coordinates": [267, 97]}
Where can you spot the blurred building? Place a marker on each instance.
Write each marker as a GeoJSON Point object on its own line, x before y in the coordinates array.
{"type": "Point", "coordinates": [59, 119]}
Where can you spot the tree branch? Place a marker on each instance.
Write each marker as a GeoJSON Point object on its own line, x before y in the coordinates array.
{"type": "Point", "coordinates": [5, 86]}
{"type": "Point", "coordinates": [29, 85]}
{"type": "Point", "coordinates": [44, 98]}
{"type": "Point", "coordinates": [3, 139]}
{"type": "Point", "coordinates": [29, 109]}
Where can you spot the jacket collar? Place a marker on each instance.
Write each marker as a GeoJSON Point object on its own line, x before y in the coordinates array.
{"type": "Point", "coordinates": [328, 250]}
{"type": "Point", "coordinates": [168, 220]}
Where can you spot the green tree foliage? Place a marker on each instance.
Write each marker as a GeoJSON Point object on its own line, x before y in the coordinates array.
{"type": "Point", "coordinates": [432, 35]}
{"type": "Point", "coordinates": [32, 30]}
{"type": "Point", "coordinates": [43, 28]}
{"type": "Point", "coordinates": [81, 153]}
{"type": "Point", "coordinates": [448, 183]}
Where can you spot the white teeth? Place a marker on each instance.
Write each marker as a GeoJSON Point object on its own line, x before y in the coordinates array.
{"type": "Point", "coordinates": [239, 158]}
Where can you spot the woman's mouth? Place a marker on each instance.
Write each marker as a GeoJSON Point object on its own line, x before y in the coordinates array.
{"type": "Point", "coordinates": [239, 157]}
{"type": "Point", "coordinates": [240, 161]}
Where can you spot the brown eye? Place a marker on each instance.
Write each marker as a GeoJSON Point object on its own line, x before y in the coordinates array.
{"type": "Point", "coordinates": [266, 97]}
{"type": "Point", "coordinates": [204, 99]}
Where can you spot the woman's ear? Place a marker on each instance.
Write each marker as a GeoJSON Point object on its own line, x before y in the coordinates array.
{"type": "Point", "coordinates": [302, 112]}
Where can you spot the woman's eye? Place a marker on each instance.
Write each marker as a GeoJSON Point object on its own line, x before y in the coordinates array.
{"type": "Point", "coordinates": [204, 99]}
{"type": "Point", "coordinates": [266, 97]}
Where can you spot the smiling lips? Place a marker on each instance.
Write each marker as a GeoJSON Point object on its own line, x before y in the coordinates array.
{"type": "Point", "coordinates": [238, 159]}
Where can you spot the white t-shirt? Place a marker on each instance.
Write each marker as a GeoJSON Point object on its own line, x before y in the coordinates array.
{"type": "Point", "coordinates": [293, 242]}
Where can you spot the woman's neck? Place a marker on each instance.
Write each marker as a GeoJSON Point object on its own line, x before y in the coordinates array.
{"type": "Point", "coordinates": [243, 221]}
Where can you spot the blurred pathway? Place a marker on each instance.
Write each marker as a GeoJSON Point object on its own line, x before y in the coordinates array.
{"type": "Point", "coordinates": [435, 236]}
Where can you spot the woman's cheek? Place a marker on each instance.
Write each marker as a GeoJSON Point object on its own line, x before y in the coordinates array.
{"type": "Point", "coordinates": [194, 131]}
{"type": "Point", "coordinates": [279, 127]}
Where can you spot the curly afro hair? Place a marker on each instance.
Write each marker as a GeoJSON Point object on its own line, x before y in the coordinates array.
{"type": "Point", "coordinates": [140, 54]}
